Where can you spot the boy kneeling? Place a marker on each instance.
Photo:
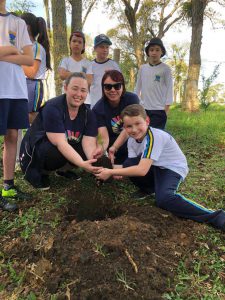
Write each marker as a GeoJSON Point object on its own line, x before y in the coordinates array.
{"type": "Point", "coordinates": [157, 165]}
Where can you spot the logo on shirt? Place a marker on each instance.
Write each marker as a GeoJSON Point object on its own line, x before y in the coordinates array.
{"type": "Point", "coordinates": [116, 123]}
{"type": "Point", "coordinates": [157, 78]}
{"type": "Point", "coordinates": [72, 136]}
{"type": "Point", "coordinates": [12, 38]}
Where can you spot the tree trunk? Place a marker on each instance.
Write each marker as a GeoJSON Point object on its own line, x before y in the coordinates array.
{"type": "Point", "coordinates": [76, 19]}
{"type": "Point", "coordinates": [60, 48]}
{"type": "Point", "coordinates": [191, 102]}
{"type": "Point", "coordinates": [46, 5]}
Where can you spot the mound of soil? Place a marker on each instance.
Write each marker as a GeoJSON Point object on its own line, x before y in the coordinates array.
{"type": "Point", "coordinates": [103, 250]}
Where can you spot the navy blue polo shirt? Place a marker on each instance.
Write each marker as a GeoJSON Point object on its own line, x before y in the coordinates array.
{"type": "Point", "coordinates": [56, 119]}
{"type": "Point", "coordinates": [109, 117]}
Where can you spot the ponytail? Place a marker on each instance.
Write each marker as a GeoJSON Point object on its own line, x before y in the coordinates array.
{"type": "Point", "coordinates": [43, 40]}
{"type": "Point", "coordinates": [38, 28]}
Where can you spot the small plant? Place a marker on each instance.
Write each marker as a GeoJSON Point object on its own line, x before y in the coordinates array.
{"type": "Point", "coordinates": [122, 277]}
{"type": "Point", "coordinates": [205, 100]}
{"type": "Point", "coordinates": [100, 250]}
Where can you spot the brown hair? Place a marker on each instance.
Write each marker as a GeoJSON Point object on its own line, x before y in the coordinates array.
{"type": "Point", "coordinates": [78, 34]}
{"type": "Point", "coordinates": [115, 76]}
{"type": "Point", "coordinates": [74, 75]}
{"type": "Point", "coordinates": [134, 110]}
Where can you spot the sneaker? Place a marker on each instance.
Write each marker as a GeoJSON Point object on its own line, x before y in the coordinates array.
{"type": "Point", "coordinates": [6, 206]}
{"type": "Point", "coordinates": [45, 183]}
{"type": "Point", "coordinates": [15, 193]}
{"type": "Point", "coordinates": [139, 195]}
{"type": "Point", "coordinates": [68, 175]}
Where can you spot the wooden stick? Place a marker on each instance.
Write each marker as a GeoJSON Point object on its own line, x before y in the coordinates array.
{"type": "Point", "coordinates": [131, 261]}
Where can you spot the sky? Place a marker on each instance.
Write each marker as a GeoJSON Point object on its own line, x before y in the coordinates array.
{"type": "Point", "coordinates": [212, 50]}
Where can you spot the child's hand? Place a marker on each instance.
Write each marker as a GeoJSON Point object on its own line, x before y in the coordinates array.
{"type": "Point", "coordinates": [118, 177]}
{"type": "Point", "coordinates": [103, 174]}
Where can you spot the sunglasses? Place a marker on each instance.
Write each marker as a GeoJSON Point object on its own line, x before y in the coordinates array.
{"type": "Point", "coordinates": [116, 86]}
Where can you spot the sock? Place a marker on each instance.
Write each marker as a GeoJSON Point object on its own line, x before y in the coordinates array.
{"type": "Point", "coordinates": [7, 184]}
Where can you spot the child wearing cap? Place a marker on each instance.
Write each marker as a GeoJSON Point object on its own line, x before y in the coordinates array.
{"type": "Point", "coordinates": [75, 62]}
{"type": "Point", "coordinates": [157, 165]}
{"type": "Point", "coordinates": [99, 66]}
{"type": "Point", "coordinates": [154, 84]}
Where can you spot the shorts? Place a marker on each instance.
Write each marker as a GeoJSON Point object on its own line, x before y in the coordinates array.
{"type": "Point", "coordinates": [13, 114]}
{"type": "Point", "coordinates": [35, 94]}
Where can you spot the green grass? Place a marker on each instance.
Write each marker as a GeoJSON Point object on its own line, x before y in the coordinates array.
{"type": "Point", "coordinates": [201, 136]}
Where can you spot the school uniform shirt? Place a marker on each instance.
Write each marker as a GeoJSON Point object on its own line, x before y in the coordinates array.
{"type": "Point", "coordinates": [71, 65]}
{"type": "Point", "coordinates": [162, 148]}
{"type": "Point", "coordinates": [155, 86]}
{"type": "Point", "coordinates": [13, 32]}
{"type": "Point", "coordinates": [40, 54]}
{"type": "Point", "coordinates": [109, 117]}
{"type": "Point", "coordinates": [98, 69]}
{"type": "Point", "coordinates": [56, 119]}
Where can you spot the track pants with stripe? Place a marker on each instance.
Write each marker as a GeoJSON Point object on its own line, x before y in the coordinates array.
{"type": "Point", "coordinates": [164, 183]}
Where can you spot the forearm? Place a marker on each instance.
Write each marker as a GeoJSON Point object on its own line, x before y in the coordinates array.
{"type": "Point", "coordinates": [167, 107]}
{"type": "Point", "coordinates": [89, 145]}
{"type": "Point", "coordinates": [63, 74]}
{"type": "Point", "coordinates": [18, 59]}
{"type": "Point", "coordinates": [70, 154]}
{"type": "Point", "coordinates": [122, 138]}
{"type": "Point", "coordinates": [132, 171]}
{"type": "Point", "coordinates": [7, 50]}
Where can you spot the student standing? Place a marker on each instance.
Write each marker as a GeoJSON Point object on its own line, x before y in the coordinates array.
{"type": "Point", "coordinates": [35, 74]}
{"type": "Point", "coordinates": [157, 165]}
{"type": "Point", "coordinates": [75, 62]}
{"type": "Point", "coordinates": [15, 51]}
{"type": "Point", "coordinates": [99, 66]}
{"type": "Point", "coordinates": [155, 85]}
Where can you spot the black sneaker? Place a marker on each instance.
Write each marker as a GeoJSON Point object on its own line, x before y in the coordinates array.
{"type": "Point", "coordinates": [15, 193]}
{"type": "Point", "coordinates": [139, 195]}
{"type": "Point", "coordinates": [68, 175]}
{"type": "Point", "coordinates": [6, 206]}
{"type": "Point", "coordinates": [45, 183]}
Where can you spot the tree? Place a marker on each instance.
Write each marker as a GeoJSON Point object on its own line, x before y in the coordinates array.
{"type": "Point", "coordinates": [46, 5]}
{"type": "Point", "coordinates": [179, 69]}
{"type": "Point", "coordinates": [190, 101]}
{"type": "Point", "coordinates": [21, 6]}
{"type": "Point", "coordinates": [141, 20]}
{"type": "Point", "coordinates": [60, 43]}
{"type": "Point", "coordinates": [80, 10]}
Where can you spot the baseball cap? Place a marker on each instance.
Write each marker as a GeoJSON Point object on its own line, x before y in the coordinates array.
{"type": "Point", "coordinates": [100, 39]}
{"type": "Point", "coordinates": [156, 41]}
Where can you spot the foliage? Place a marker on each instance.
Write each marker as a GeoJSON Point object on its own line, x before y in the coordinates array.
{"type": "Point", "coordinates": [205, 95]}
{"type": "Point", "coordinates": [21, 6]}
{"type": "Point", "coordinates": [179, 69]}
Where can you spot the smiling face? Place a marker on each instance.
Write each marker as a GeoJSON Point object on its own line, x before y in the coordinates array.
{"type": "Point", "coordinates": [76, 92]}
{"type": "Point", "coordinates": [136, 127]}
{"type": "Point", "coordinates": [112, 90]}
{"type": "Point", "coordinates": [154, 54]}
{"type": "Point", "coordinates": [76, 45]}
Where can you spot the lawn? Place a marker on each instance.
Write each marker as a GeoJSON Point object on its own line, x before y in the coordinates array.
{"type": "Point", "coordinates": [79, 241]}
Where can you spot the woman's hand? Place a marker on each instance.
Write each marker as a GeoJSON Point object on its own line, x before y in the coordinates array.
{"type": "Point", "coordinates": [87, 165]}
{"type": "Point", "coordinates": [112, 151]}
{"type": "Point", "coordinates": [99, 151]}
{"type": "Point", "coordinates": [103, 174]}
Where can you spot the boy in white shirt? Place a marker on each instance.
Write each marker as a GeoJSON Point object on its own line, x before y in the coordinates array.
{"type": "Point", "coordinates": [155, 85]}
{"type": "Point", "coordinates": [15, 51]}
{"type": "Point", "coordinates": [157, 165]}
{"type": "Point", "coordinates": [99, 66]}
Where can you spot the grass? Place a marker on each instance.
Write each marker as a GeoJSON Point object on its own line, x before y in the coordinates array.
{"type": "Point", "coordinates": [202, 138]}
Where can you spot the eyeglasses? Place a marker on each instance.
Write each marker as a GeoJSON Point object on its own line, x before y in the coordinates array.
{"type": "Point", "coordinates": [116, 86]}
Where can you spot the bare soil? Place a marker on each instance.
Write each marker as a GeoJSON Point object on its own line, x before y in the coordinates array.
{"type": "Point", "coordinates": [102, 248]}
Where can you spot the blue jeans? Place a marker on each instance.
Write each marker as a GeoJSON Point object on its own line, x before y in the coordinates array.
{"type": "Point", "coordinates": [164, 183]}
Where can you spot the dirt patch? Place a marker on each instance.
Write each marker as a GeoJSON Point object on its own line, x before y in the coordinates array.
{"type": "Point", "coordinates": [102, 250]}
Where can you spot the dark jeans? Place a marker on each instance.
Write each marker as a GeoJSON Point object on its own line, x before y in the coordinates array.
{"type": "Point", "coordinates": [158, 118]}
{"type": "Point", "coordinates": [165, 183]}
{"type": "Point", "coordinates": [53, 159]}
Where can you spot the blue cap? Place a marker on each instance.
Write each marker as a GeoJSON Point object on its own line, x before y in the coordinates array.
{"type": "Point", "coordinates": [101, 39]}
